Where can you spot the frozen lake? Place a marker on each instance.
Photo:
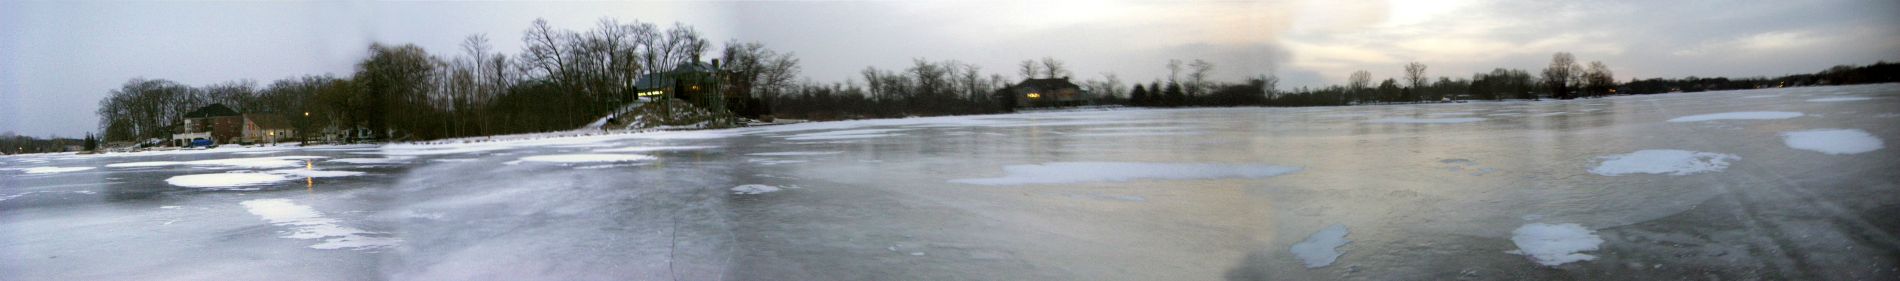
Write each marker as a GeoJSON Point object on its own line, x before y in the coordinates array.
{"type": "Point", "coordinates": [1761, 184]}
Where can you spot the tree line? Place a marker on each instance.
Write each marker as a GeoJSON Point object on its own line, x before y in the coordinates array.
{"type": "Point", "coordinates": [562, 79]}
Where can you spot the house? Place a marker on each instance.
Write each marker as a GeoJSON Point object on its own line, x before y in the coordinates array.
{"type": "Point", "coordinates": [683, 82]}
{"type": "Point", "coordinates": [1046, 92]}
{"type": "Point", "coordinates": [218, 124]}
{"type": "Point", "coordinates": [266, 128]}
{"type": "Point", "coordinates": [215, 123]}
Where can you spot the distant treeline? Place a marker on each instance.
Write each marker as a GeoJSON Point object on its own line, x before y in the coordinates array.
{"type": "Point", "coordinates": [11, 143]}
{"type": "Point", "coordinates": [563, 79]}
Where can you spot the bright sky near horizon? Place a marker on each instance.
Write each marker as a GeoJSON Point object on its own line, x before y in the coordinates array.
{"type": "Point", "coordinates": [59, 58]}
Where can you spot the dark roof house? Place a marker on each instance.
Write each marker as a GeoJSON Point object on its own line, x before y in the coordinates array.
{"type": "Point", "coordinates": [213, 110]}
{"type": "Point", "coordinates": [1046, 92]}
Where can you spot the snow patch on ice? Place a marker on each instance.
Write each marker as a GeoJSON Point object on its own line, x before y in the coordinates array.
{"type": "Point", "coordinates": [1322, 248]}
{"type": "Point", "coordinates": [54, 170]}
{"type": "Point", "coordinates": [237, 180]}
{"type": "Point", "coordinates": [845, 134]}
{"type": "Point", "coordinates": [1833, 141]}
{"type": "Point", "coordinates": [1555, 244]}
{"type": "Point", "coordinates": [306, 223]}
{"type": "Point", "coordinates": [144, 164]}
{"type": "Point", "coordinates": [1134, 134]}
{"type": "Point", "coordinates": [1077, 172]}
{"type": "Point", "coordinates": [652, 148]}
{"type": "Point", "coordinates": [385, 160]}
{"type": "Point", "coordinates": [795, 153]}
{"type": "Point", "coordinates": [1746, 115]}
{"type": "Point", "coordinates": [242, 163]}
{"type": "Point", "coordinates": [1410, 120]}
{"type": "Point", "coordinates": [1663, 161]}
{"type": "Point", "coordinates": [315, 173]}
{"type": "Point", "coordinates": [1839, 99]}
{"type": "Point", "coordinates": [226, 181]}
{"type": "Point", "coordinates": [755, 189]}
{"type": "Point", "coordinates": [587, 158]}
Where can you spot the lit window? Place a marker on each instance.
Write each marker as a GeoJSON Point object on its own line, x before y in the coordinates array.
{"type": "Point", "coordinates": [1035, 95]}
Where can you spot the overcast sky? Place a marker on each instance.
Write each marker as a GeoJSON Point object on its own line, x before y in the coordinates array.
{"type": "Point", "coordinates": [59, 58]}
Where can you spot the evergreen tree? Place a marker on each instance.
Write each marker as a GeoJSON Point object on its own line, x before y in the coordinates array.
{"type": "Point", "coordinates": [92, 143]}
{"type": "Point", "coordinates": [1139, 97]}
{"type": "Point", "coordinates": [1174, 95]}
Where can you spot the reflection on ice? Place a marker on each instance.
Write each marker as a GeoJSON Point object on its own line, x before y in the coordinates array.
{"type": "Point", "coordinates": [1079, 172]}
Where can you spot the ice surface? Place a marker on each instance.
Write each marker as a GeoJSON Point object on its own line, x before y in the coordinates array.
{"type": "Point", "coordinates": [754, 189]}
{"type": "Point", "coordinates": [144, 164]}
{"type": "Point", "coordinates": [587, 158]}
{"type": "Point", "coordinates": [1555, 244]}
{"type": "Point", "coordinates": [385, 160]}
{"type": "Point", "coordinates": [845, 134]}
{"type": "Point", "coordinates": [1833, 141]}
{"type": "Point", "coordinates": [306, 223]}
{"type": "Point", "coordinates": [225, 180]}
{"type": "Point", "coordinates": [242, 163]}
{"type": "Point", "coordinates": [1839, 99]}
{"type": "Point", "coordinates": [795, 153]}
{"type": "Point", "coordinates": [1321, 248]}
{"type": "Point", "coordinates": [1663, 161]}
{"type": "Point", "coordinates": [1410, 120]}
{"type": "Point", "coordinates": [54, 170]}
{"type": "Point", "coordinates": [1746, 115]}
{"type": "Point", "coordinates": [315, 173]}
{"type": "Point", "coordinates": [1078, 172]}
{"type": "Point", "coordinates": [653, 148]}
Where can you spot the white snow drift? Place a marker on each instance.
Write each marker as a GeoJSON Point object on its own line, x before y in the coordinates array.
{"type": "Point", "coordinates": [587, 158]}
{"type": "Point", "coordinates": [1076, 172]}
{"type": "Point", "coordinates": [54, 170]}
{"type": "Point", "coordinates": [1833, 141]}
{"type": "Point", "coordinates": [1839, 99]}
{"type": "Point", "coordinates": [1746, 115]}
{"type": "Point", "coordinates": [242, 163]}
{"type": "Point", "coordinates": [306, 223]}
{"type": "Point", "coordinates": [225, 180]}
{"type": "Point", "coordinates": [1663, 161]}
{"type": "Point", "coordinates": [237, 180]}
{"type": "Point", "coordinates": [1555, 244]}
{"type": "Point", "coordinates": [754, 189]}
{"type": "Point", "coordinates": [652, 148]}
{"type": "Point", "coordinates": [1410, 120]}
{"type": "Point", "coordinates": [1321, 248]}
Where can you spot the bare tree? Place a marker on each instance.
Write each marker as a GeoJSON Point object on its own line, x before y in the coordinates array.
{"type": "Point", "coordinates": [1598, 80]}
{"type": "Point", "coordinates": [1027, 68]}
{"type": "Point", "coordinates": [1562, 75]}
{"type": "Point", "coordinates": [1415, 75]}
{"type": "Point", "coordinates": [1197, 77]}
{"type": "Point", "coordinates": [1052, 68]}
{"type": "Point", "coordinates": [1174, 71]}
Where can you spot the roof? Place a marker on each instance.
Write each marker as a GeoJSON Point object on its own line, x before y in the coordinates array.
{"type": "Point", "coordinates": [268, 121]}
{"type": "Point", "coordinates": [1048, 83]}
{"type": "Point", "coordinates": [213, 110]}
{"type": "Point", "coordinates": [659, 80]}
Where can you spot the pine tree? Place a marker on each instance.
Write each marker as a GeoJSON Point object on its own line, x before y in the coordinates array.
{"type": "Point", "coordinates": [1175, 96]}
{"type": "Point", "coordinates": [1139, 97]}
